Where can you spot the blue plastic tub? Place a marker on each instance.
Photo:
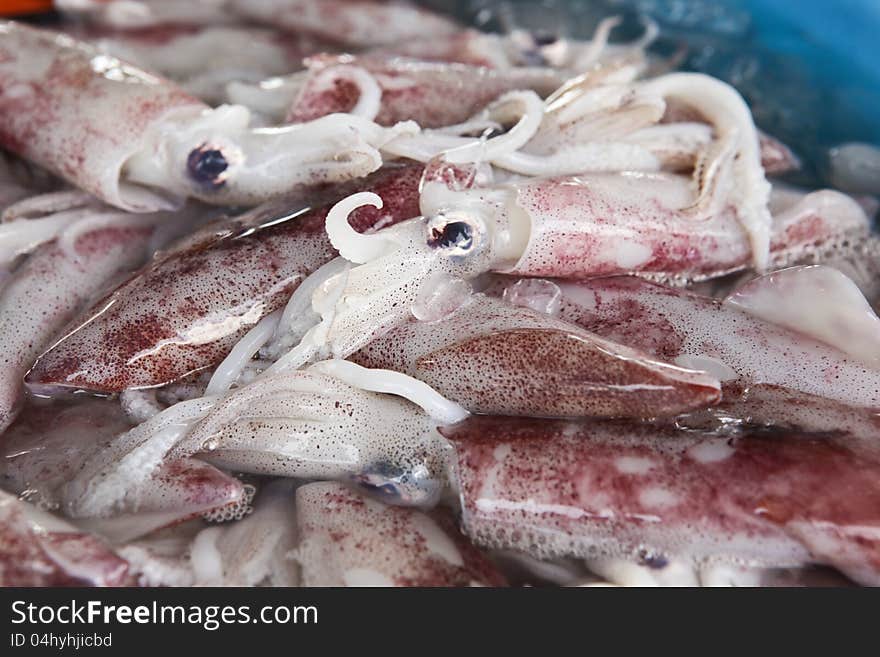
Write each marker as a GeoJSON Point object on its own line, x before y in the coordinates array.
{"type": "Point", "coordinates": [809, 69]}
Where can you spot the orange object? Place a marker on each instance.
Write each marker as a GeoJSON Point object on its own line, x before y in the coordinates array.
{"type": "Point", "coordinates": [17, 7]}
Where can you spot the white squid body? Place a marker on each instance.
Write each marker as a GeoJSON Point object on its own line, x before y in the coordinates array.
{"type": "Point", "coordinates": [763, 334]}
{"type": "Point", "coordinates": [204, 61]}
{"type": "Point", "coordinates": [43, 294]}
{"type": "Point", "coordinates": [141, 143]}
{"type": "Point", "coordinates": [39, 549]}
{"type": "Point", "coordinates": [44, 450]}
{"type": "Point", "coordinates": [349, 539]}
{"type": "Point", "coordinates": [313, 426]}
{"type": "Point", "coordinates": [359, 23]}
{"type": "Point", "coordinates": [571, 227]}
{"type": "Point", "coordinates": [334, 421]}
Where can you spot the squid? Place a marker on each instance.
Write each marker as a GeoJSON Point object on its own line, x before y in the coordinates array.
{"type": "Point", "coordinates": [827, 349]}
{"type": "Point", "coordinates": [570, 228]}
{"type": "Point", "coordinates": [139, 14]}
{"type": "Point", "coordinates": [140, 143]}
{"type": "Point", "coordinates": [185, 311]}
{"type": "Point", "coordinates": [434, 95]}
{"type": "Point", "coordinates": [44, 449]}
{"type": "Point", "coordinates": [357, 24]}
{"type": "Point", "coordinates": [521, 48]}
{"type": "Point", "coordinates": [348, 539]}
{"type": "Point", "coordinates": [46, 291]}
{"type": "Point", "coordinates": [255, 551]}
{"type": "Point", "coordinates": [337, 420]}
{"type": "Point", "coordinates": [39, 549]}
{"type": "Point", "coordinates": [493, 357]}
{"type": "Point", "coordinates": [610, 489]}
{"type": "Point", "coordinates": [204, 60]}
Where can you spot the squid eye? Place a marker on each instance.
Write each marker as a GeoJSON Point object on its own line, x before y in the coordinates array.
{"type": "Point", "coordinates": [542, 38]}
{"type": "Point", "coordinates": [207, 166]}
{"type": "Point", "coordinates": [454, 235]}
{"type": "Point", "coordinates": [397, 485]}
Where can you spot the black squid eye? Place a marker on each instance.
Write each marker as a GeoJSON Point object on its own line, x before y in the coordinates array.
{"type": "Point", "coordinates": [455, 234]}
{"type": "Point", "coordinates": [206, 166]}
{"type": "Point", "coordinates": [544, 38]}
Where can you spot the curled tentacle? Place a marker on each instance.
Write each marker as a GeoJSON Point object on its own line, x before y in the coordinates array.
{"type": "Point", "coordinates": [597, 44]}
{"type": "Point", "coordinates": [395, 383]}
{"type": "Point", "coordinates": [369, 93]}
{"type": "Point", "coordinates": [738, 151]}
{"type": "Point", "coordinates": [531, 112]}
{"type": "Point", "coordinates": [352, 245]}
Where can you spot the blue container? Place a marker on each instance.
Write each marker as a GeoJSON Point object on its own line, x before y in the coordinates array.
{"type": "Point", "coordinates": [810, 69]}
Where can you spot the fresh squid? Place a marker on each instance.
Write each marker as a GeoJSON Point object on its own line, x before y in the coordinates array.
{"type": "Point", "coordinates": [570, 228]}
{"type": "Point", "coordinates": [434, 95]}
{"type": "Point", "coordinates": [635, 491]}
{"type": "Point", "coordinates": [141, 143]}
{"type": "Point", "coordinates": [40, 549]}
{"type": "Point", "coordinates": [348, 539]}
{"type": "Point", "coordinates": [45, 448]}
{"type": "Point", "coordinates": [337, 420]}
{"type": "Point", "coordinates": [521, 48]}
{"type": "Point", "coordinates": [494, 357]}
{"type": "Point", "coordinates": [204, 60]}
{"type": "Point", "coordinates": [837, 359]}
{"type": "Point", "coordinates": [45, 292]}
{"type": "Point", "coordinates": [360, 24]}
{"type": "Point", "coordinates": [185, 311]}
{"type": "Point", "coordinates": [138, 14]}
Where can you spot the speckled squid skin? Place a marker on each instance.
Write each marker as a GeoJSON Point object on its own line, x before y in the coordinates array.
{"type": "Point", "coordinates": [670, 323]}
{"type": "Point", "coordinates": [434, 94]}
{"type": "Point", "coordinates": [45, 293]}
{"type": "Point", "coordinates": [348, 539]}
{"type": "Point", "coordinates": [204, 58]}
{"type": "Point", "coordinates": [79, 112]}
{"type": "Point", "coordinates": [612, 489]}
{"type": "Point", "coordinates": [360, 23]}
{"type": "Point", "coordinates": [602, 224]}
{"type": "Point", "coordinates": [185, 311]}
{"type": "Point", "coordinates": [496, 358]}
{"type": "Point", "coordinates": [37, 549]}
{"type": "Point", "coordinates": [49, 443]}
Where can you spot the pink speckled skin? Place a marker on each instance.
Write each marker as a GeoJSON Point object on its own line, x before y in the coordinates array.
{"type": "Point", "coordinates": [33, 555]}
{"type": "Point", "coordinates": [618, 489]}
{"type": "Point", "coordinates": [49, 443]}
{"type": "Point", "coordinates": [434, 94]}
{"type": "Point", "coordinates": [603, 224]}
{"type": "Point", "coordinates": [79, 112]}
{"type": "Point", "coordinates": [186, 310]}
{"type": "Point", "coordinates": [494, 357]}
{"type": "Point", "coordinates": [45, 293]}
{"type": "Point", "coordinates": [346, 536]}
{"type": "Point", "coordinates": [669, 323]}
{"type": "Point", "coordinates": [351, 22]}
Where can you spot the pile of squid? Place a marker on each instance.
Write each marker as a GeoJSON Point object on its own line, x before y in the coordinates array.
{"type": "Point", "coordinates": [343, 293]}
